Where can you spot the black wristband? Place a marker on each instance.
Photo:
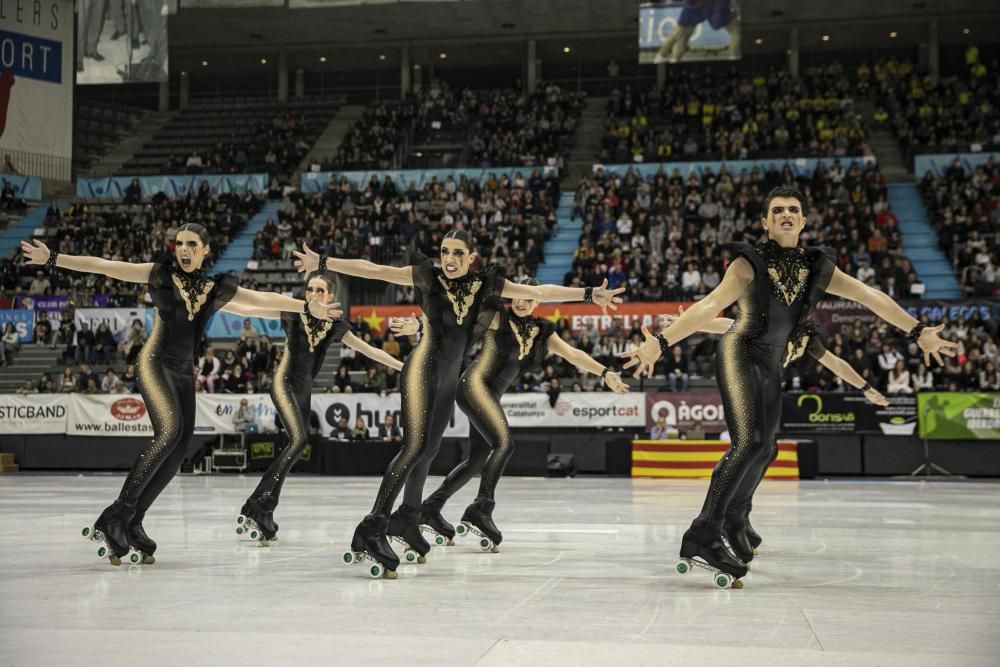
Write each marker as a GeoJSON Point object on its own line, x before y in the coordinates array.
{"type": "Point", "coordinates": [915, 332]}
{"type": "Point", "coordinates": [588, 295]}
{"type": "Point", "coordinates": [322, 263]}
{"type": "Point", "coordinates": [605, 372]}
{"type": "Point", "coordinates": [305, 308]}
{"type": "Point", "coordinates": [664, 345]}
{"type": "Point", "coordinates": [51, 264]}
{"type": "Point", "coordinates": [868, 385]}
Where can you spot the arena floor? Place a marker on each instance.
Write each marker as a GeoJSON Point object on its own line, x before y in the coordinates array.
{"type": "Point", "coordinates": [850, 573]}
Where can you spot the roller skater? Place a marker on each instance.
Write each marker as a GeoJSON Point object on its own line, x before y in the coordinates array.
{"type": "Point", "coordinates": [776, 285]}
{"type": "Point", "coordinates": [518, 344]}
{"type": "Point", "coordinates": [451, 298]}
{"type": "Point", "coordinates": [184, 297]}
{"type": "Point", "coordinates": [307, 340]}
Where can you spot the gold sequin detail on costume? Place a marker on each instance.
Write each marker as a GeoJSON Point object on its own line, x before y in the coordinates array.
{"type": "Point", "coordinates": [196, 297]}
{"type": "Point", "coordinates": [462, 298]}
{"type": "Point", "coordinates": [526, 339]}
{"type": "Point", "coordinates": [796, 348]}
{"type": "Point", "coordinates": [788, 287]}
{"type": "Point", "coordinates": [315, 336]}
{"type": "Point", "coordinates": [788, 269]}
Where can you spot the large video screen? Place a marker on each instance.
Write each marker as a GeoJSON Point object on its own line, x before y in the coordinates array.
{"type": "Point", "coordinates": [673, 31]}
{"type": "Point", "coordinates": [121, 41]}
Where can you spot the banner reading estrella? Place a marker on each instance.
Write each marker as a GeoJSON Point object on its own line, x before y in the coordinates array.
{"type": "Point", "coordinates": [959, 416]}
{"type": "Point", "coordinates": [579, 316]}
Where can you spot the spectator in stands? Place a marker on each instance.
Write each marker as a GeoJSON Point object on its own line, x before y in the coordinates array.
{"type": "Point", "coordinates": [40, 285]}
{"type": "Point", "coordinates": [68, 381]}
{"type": "Point", "coordinates": [133, 192]}
{"type": "Point", "coordinates": [922, 379]}
{"type": "Point", "coordinates": [388, 430]}
{"type": "Point", "coordinates": [677, 370]}
{"type": "Point", "coordinates": [43, 331]}
{"type": "Point", "coordinates": [660, 430]}
{"type": "Point", "coordinates": [341, 431]}
{"type": "Point", "coordinates": [27, 388]}
{"type": "Point", "coordinates": [129, 379]}
{"type": "Point", "coordinates": [989, 377]}
{"type": "Point", "coordinates": [899, 379]}
{"type": "Point", "coordinates": [248, 338]}
{"type": "Point", "coordinates": [391, 346]}
{"type": "Point", "coordinates": [134, 339]}
{"type": "Point", "coordinates": [85, 345]}
{"type": "Point", "coordinates": [104, 343]}
{"type": "Point", "coordinates": [360, 429]}
{"type": "Point", "coordinates": [888, 358]}
{"type": "Point", "coordinates": [194, 163]}
{"type": "Point", "coordinates": [244, 420]}
{"type": "Point", "coordinates": [209, 369]}
{"type": "Point", "coordinates": [374, 382]}
{"type": "Point", "coordinates": [109, 381]}
{"type": "Point", "coordinates": [342, 380]}
{"type": "Point", "coordinates": [92, 386]}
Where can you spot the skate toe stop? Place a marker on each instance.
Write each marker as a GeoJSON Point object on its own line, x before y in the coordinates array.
{"type": "Point", "coordinates": [755, 552]}
{"type": "Point", "coordinates": [391, 574]}
{"type": "Point", "coordinates": [737, 584]}
{"type": "Point", "coordinates": [148, 560]}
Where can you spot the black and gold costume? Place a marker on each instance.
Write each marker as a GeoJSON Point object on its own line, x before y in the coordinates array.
{"type": "Point", "coordinates": [453, 318]}
{"type": "Point", "coordinates": [183, 304]}
{"type": "Point", "coordinates": [307, 340]}
{"type": "Point", "coordinates": [749, 367]}
{"type": "Point", "coordinates": [518, 345]}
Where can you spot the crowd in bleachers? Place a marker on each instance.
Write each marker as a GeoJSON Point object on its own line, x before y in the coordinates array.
{"type": "Point", "coordinates": [703, 115]}
{"type": "Point", "coordinates": [938, 114]}
{"type": "Point", "coordinates": [965, 211]}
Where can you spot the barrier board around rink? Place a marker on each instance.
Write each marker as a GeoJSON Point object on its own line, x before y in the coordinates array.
{"type": "Point", "coordinates": [799, 166]}
{"type": "Point", "coordinates": [113, 187]}
{"type": "Point", "coordinates": [687, 459]}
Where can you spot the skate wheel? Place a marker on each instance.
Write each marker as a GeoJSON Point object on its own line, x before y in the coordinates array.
{"type": "Point", "coordinates": [240, 531]}
{"type": "Point", "coordinates": [87, 532]}
{"type": "Point", "coordinates": [102, 552]}
{"type": "Point", "coordinates": [461, 529]}
{"type": "Point", "coordinates": [376, 571]}
{"type": "Point", "coordinates": [682, 567]}
{"type": "Point", "coordinates": [439, 540]}
{"type": "Point", "coordinates": [349, 558]}
{"type": "Point", "coordinates": [723, 580]}
{"type": "Point", "coordinates": [240, 520]}
{"type": "Point", "coordinates": [485, 544]}
{"type": "Point", "coordinates": [410, 555]}
{"type": "Point", "coordinates": [134, 558]}
{"type": "Point", "coordinates": [254, 535]}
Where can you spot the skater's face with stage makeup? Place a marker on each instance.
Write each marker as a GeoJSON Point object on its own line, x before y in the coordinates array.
{"type": "Point", "coordinates": [190, 251]}
{"type": "Point", "coordinates": [783, 221]}
{"type": "Point", "coordinates": [524, 307]}
{"type": "Point", "coordinates": [456, 258]}
{"type": "Point", "coordinates": [319, 288]}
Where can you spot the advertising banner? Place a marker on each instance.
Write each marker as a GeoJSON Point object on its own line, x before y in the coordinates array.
{"type": "Point", "coordinates": [119, 320]}
{"type": "Point", "coordinates": [24, 187]}
{"type": "Point", "coordinates": [580, 317]}
{"type": "Point", "coordinates": [317, 181]}
{"type": "Point", "coordinates": [955, 416]}
{"type": "Point", "coordinates": [373, 408]}
{"type": "Point", "coordinates": [215, 412]}
{"type": "Point", "coordinates": [34, 414]}
{"type": "Point", "coordinates": [114, 415]}
{"type": "Point", "coordinates": [574, 409]}
{"type": "Point", "coordinates": [673, 31]}
{"type": "Point", "coordinates": [938, 163]}
{"type": "Point", "coordinates": [175, 187]}
{"type": "Point", "coordinates": [227, 325]}
{"type": "Point", "coordinates": [837, 315]}
{"type": "Point", "coordinates": [799, 166]}
{"type": "Point", "coordinates": [847, 413]}
{"type": "Point", "coordinates": [683, 410]}
{"type": "Point", "coordinates": [23, 321]}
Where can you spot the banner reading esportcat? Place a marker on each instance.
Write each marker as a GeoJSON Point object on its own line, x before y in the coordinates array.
{"type": "Point", "coordinates": [959, 416]}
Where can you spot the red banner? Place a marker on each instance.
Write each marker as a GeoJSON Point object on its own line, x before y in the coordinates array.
{"type": "Point", "coordinates": [581, 317]}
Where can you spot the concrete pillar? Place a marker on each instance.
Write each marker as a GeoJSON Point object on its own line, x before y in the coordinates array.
{"type": "Point", "coordinates": [934, 48]}
{"type": "Point", "coordinates": [282, 76]}
{"type": "Point", "coordinates": [661, 75]}
{"type": "Point", "coordinates": [164, 95]}
{"type": "Point", "coordinates": [300, 83]}
{"type": "Point", "coordinates": [532, 79]}
{"type": "Point", "coordinates": [793, 53]}
{"type": "Point", "coordinates": [418, 78]}
{"type": "Point", "coordinates": [404, 71]}
{"type": "Point", "coordinates": [185, 96]}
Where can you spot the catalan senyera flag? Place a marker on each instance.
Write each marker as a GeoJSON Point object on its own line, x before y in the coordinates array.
{"type": "Point", "coordinates": [693, 459]}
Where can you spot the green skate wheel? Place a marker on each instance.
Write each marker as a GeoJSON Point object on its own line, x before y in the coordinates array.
{"type": "Point", "coordinates": [461, 529]}
{"type": "Point", "coordinates": [682, 567]}
{"type": "Point", "coordinates": [485, 544]}
{"type": "Point", "coordinates": [240, 531]}
{"type": "Point", "coordinates": [102, 552]}
{"type": "Point", "coordinates": [254, 534]}
{"type": "Point", "coordinates": [135, 558]}
{"type": "Point", "coordinates": [410, 556]}
{"type": "Point", "coordinates": [439, 540]}
{"type": "Point", "coordinates": [86, 531]}
{"type": "Point", "coordinates": [376, 571]}
{"type": "Point", "coordinates": [240, 519]}
{"type": "Point", "coordinates": [349, 558]}
{"type": "Point", "coordinates": [723, 580]}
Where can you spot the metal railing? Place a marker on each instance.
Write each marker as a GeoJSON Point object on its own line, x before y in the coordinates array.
{"type": "Point", "coordinates": [35, 164]}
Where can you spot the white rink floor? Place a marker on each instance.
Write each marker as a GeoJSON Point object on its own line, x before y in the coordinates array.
{"type": "Point", "coordinates": [850, 573]}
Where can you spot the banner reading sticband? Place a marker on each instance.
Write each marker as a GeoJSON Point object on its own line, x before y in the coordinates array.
{"type": "Point", "coordinates": [37, 413]}
{"type": "Point", "coordinates": [959, 416]}
{"type": "Point", "coordinates": [580, 317]}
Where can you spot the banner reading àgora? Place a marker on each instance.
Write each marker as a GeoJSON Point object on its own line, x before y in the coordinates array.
{"type": "Point", "coordinates": [959, 416]}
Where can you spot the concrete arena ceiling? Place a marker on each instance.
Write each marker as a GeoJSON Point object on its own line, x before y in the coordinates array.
{"type": "Point", "coordinates": [355, 36]}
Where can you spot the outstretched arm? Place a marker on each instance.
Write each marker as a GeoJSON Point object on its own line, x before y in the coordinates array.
{"type": "Point", "coordinates": [584, 361]}
{"type": "Point", "coordinates": [719, 325]}
{"type": "Point", "coordinates": [381, 356]}
{"type": "Point", "coordinates": [734, 283]}
{"type": "Point", "coordinates": [846, 372]}
{"type": "Point", "coordinates": [36, 252]}
{"type": "Point", "coordinates": [601, 295]}
{"type": "Point", "coordinates": [880, 303]}
{"type": "Point", "coordinates": [271, 301]}
{"type": "Point", "coordinates": [252, 311]}
{"type": "Point", "coordinates": [307, 261]}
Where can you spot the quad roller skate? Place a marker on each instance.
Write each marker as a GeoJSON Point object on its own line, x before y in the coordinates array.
{"type": "Point", "coordinates": [256, 521]}
{"type": "Point", "coordinates": [370, 547]}
{"type": "Point", "coordinates": [738, 540]}
{"type": "Point", "coordinates": [139, 540]}
{"type": "Point", "coordinates": [111, 530]}
{"type": "Point", "coordinates": [435, 525]}
{"type": "Point", "coordinates": [404, 528]}
{"type": "Point", "coordinates": [478, 519]}
{"type": "Point", "coordinates": [752, 536]}
{"type": "Point", "coordinates": [704, 548]}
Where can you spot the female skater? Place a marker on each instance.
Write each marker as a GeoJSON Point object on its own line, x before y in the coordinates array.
{"type": "Point", "coordinates": [306, 341]}
{"type": "Point", "coordinates": [776, 284]}
{"type": "Point", "coordinates": [450, 298]}
{"type": "Point", "coordinates": [184, 297]}
{"type": "Point", "coordinates": [518, 344]}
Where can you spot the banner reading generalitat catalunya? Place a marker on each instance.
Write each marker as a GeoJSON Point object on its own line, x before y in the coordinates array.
{"type": "Point", "coordinates": [580, 317]}
{"type": "Point", "coordinates": [579, 409]}
{"type": "Point", "coordinates": [959, 416]}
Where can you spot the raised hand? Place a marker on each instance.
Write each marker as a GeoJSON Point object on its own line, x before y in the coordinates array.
{"type": "Point", "coordinates": [306, 261]}
{"type": "Point", "coordinates": [405, 326]}
{"type": "Point", "coordinates": [613, 379]}
{"type": "Point", "coordinates": [876, 397]}
{"type": "Point", "coordinates": [607, 298]}
{"type": "Point", "coordinates": [35, 252]}
{"type": "Point", "coordinates": [325, 311]}
{"type": "Point", "coordinates": [932, 345]}
{"type": "Point", "coordinates": [644, 356]}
